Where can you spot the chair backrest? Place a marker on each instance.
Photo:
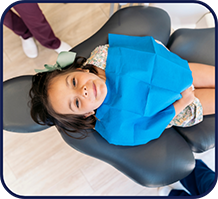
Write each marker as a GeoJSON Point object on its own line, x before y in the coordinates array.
{"type": "Point", "coordinates": [136, 21]}
{"type": "Point", "coordinates": [156, 163]}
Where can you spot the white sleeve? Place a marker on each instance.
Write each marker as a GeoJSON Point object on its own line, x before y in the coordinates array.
{"type": "Point", "coordinates": [159, 42]}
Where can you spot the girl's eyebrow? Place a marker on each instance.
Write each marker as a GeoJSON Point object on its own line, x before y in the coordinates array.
{"type": "Point", "coordinates": [67, 81]}
{"type": "Point", "coordinates": [68, 85]}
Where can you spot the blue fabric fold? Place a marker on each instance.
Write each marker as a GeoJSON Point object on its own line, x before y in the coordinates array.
{"type": "Point", "coordinates": [143, 79]}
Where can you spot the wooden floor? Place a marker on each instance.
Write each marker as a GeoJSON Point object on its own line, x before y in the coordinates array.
{"type": "Point", "coordinates": [42, 163]}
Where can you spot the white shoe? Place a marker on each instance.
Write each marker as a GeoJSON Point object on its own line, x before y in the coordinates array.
{"type": "Point", "coordinates": [164, 191]}
{"type": "Point", "coordinates": [63, 47]}
{"type": "Point", "coordinates": [29, 47]}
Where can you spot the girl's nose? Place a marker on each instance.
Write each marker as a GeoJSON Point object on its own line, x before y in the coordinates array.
{"type": "Point", "coordinates": [84, 91]}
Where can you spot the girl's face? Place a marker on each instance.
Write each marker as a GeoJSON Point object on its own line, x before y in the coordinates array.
{"type": "Point", "coordinates": [79, 92]}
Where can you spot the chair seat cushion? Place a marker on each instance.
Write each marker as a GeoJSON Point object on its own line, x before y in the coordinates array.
{"type": "Point", "coordinates": [196, 45]}
{"type": "Point", "coordinates": [200, 137]}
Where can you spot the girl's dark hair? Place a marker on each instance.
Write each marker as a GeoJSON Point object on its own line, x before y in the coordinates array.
{"type": "Point", "coordinates": [42, 112]}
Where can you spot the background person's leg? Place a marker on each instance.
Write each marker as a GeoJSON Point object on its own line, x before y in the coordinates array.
{"type": "Point", "coordinates": [16, 24]}
{"type": "Point", "coordinates": [176, 192]}
{"type": "Point", "coordinates": [37, 24]}
{"type": "Point", "coordinates": [200, 180]}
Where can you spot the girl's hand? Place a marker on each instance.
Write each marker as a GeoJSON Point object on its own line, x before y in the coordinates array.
{"type": "Point", "coordinates": [187, 98]}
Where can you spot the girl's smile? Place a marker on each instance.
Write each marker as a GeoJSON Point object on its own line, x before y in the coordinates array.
{"type": "Point", "coordinates": [78, 92]}
{"type": "Point", "coordinates": [95, 91]}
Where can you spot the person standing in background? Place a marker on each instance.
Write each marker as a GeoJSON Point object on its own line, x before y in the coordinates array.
{"type": "Point", "coordinates": [198, 182]}
{"type": "Point", "coordinates": [32, 24]}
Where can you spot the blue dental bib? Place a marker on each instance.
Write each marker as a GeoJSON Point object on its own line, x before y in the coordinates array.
{"type": "Point", "coordinates": [143, 80]}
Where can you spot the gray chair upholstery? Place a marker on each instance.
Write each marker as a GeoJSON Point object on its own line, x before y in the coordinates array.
{"type": "Point", "coordinates": [16, 112]}
{"type": "Point", "coordinates": [196, 45]}
{"type": "Point", "coordinates": [157, 163]}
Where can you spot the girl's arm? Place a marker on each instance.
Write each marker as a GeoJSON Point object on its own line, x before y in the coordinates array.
{"type": "Point", "coordinates": [187, 98]}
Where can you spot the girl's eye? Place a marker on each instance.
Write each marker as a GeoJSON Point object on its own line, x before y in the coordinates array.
{"type": "Point", "coordinates": [77, 103]}
{"type": "Point", "coordinates": [74, 82]}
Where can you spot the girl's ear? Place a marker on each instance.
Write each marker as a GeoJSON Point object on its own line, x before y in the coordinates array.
{"type": "Point", "coordinates": [84, 70]}
{"type": "Point", "coordinates": [89, 114]}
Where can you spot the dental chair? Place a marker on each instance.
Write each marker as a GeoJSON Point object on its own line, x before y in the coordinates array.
{"type": "Point", "coordinates": [162, 161]}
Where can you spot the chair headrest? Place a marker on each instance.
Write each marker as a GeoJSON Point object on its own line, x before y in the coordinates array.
{"type": "Point", "coordinates": [16, 112]}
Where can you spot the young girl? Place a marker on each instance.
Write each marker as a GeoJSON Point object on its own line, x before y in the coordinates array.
{"type": "Point", "coordinates": [78, 94]}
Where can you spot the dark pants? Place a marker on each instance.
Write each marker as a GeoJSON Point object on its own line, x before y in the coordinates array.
{"type": "Point", "coordinates": [198, 182]}
{"type": "Point", "coordinates": [31, 22]}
